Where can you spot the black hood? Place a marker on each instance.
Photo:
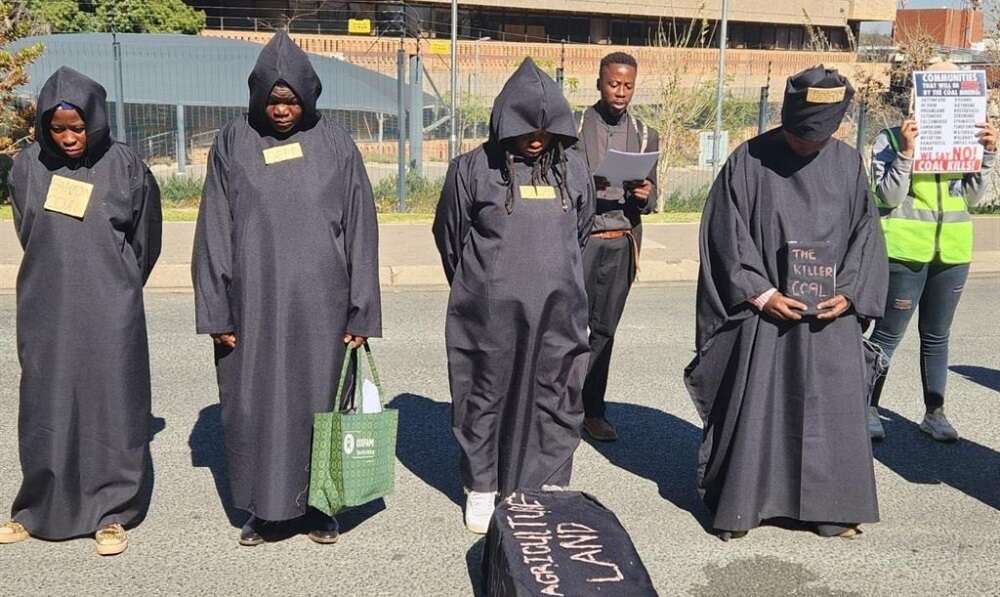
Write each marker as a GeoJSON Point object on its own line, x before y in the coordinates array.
{"type": "Point", "coordinates": [282, 60]}
{"type": "Point", "coordinates": [816, 100]}
{"type": "Point", "coordinates": [529, 101]}
{"type": "Point", "coordinates": [69, 86]}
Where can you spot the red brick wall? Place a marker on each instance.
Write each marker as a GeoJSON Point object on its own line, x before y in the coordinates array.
{"type": "Point", "coordinates": [948, 27]}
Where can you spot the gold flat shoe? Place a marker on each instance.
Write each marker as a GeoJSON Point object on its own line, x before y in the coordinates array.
{"type": "Point", "coordinates": [111, 540]}
{"type": "Point", "coordinates": [13, 532]}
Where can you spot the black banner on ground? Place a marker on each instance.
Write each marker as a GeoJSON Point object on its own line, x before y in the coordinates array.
{"type": "Point", "coordinates": [560, 543]}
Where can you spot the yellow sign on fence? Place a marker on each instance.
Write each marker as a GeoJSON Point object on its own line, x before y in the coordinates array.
{"type": "Point", "coordinates": [359, 26]}
{"type": "Point", "coordinates": [439, 46]}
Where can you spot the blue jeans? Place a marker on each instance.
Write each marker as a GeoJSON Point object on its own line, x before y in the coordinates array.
{"type": "Point", "coordinates": [936, 288]}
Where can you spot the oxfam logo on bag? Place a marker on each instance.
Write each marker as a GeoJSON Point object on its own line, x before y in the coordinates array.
{"type": "Point", "coordinates": [359, 448]}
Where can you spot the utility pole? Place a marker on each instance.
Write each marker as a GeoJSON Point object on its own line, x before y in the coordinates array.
{"type": "Point", "coordinates": [561, 71]}
{"type": "Point", "coordinates": [719, 88]}
{"type": "Point", "coordinates": [401, 110]}
{"type": "Point", "coordinates": [453, 137]}
{"type": "Point", "coordinates": [119, 87]}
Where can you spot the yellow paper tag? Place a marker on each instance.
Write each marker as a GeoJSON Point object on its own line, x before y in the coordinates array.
{"type": "Point", "coordinates": [359, 26]}
{"type": "Point", "coordinates": [439, 46]}
{"type": "Point", "coordinates": [282, 153]}
{"type": "Point", "coordinates": [826, 95]}
{"type": "Point", "coordinates": [533, 193]}
{"type": "Point", "coordinates": [68, 196]}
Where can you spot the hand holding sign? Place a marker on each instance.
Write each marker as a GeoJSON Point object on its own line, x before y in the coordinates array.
{"type": "Point", "coordinates": [909, 133]}
{"type": "Point", "coordinates": [987, 136]}
{"type": "Point", "coordinates": [833, 308]}
{"type": "Point", "coordinates": [781, 308]}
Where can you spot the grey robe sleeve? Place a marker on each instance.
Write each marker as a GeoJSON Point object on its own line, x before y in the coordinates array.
{"type": "Point", "coordinates": [863, 276]}
{"type": "Point", "coordinates": [974, 185]}
{"type": "Point", "coordinates": [452, 221]}
{"type": "Point", "coordinates": [147, 222]}
{"type": "Point", "coordinates": [736, 266]}
{"type": "Point", "coordinates": [732, 270]}
{"type": "Point", "coordinates": [212, 262]}
{"type": "Point", "coordinates": [15, 199]}
{"type": "Point", "coordinates": [585, 212]}
{"type": "Point", "coordinates": [890, 172]}
{"type": "Point", "coordinates": [361, 247]}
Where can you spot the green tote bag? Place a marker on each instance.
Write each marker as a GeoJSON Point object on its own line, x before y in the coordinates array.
{"type": "Point", "coordinates": [353, 454]}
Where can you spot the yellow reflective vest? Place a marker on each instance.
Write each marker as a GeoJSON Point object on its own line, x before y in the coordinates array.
{"type": "Point", "coordinates": [931, 223]}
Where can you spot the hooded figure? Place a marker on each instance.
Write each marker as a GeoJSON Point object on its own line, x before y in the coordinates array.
{"type": "Point", "coordinates": [285, 265]}
{"type": "Point", "coordinates": [782, 394]}
{"type": "Point", "coordinates": [90, 227]}
{"type": "Point", "coordinates": [510, 230]}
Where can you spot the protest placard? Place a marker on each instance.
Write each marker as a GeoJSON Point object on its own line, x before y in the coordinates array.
{"type": "Point", "coordinates": [811, 275]}
{"type": "Point", "coordinates": [947, 107]}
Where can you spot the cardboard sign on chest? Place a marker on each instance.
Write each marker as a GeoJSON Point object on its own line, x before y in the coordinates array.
{"type": "Point", "coordinates": [282, 153]}
{"type": "Point", "coordinates": [68, 196]}
{"type": "Point", "coordinates": [533, 193]}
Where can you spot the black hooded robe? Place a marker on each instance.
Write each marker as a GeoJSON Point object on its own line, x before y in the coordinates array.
{"type": "Point", "coordinates": [285, 256]}
{"type": "Point", "coordinates": [516, 329]}
{"type": "Point", "coordinates": [784, 402]}
{"type": "Point", "coordinates": [83, 425]}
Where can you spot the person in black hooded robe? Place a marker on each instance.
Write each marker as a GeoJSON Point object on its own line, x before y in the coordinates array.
{"type": "Point", "coordinates": [285, 273]}
{"type": "Point", "coordinates": [87, 213]}
{"type": "Point", "coordinates": [513, 217]}
{"type": "Point", "coordinates": [782, 394]}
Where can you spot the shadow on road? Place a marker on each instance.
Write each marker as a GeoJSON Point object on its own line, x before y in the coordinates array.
{"type": "Point", "coordinates": [207, 451]}
{"type": "Point", "coordinates": [659, 447]}
{"type": "Point", "coordinates": [983, 376]}
{"type": "Point", "coordinates": [474, 562]}
{"type": "Point", "coordinates": [965, 465]}
{"type": "Point", "coordinates": [156, 425]}
{"type": "Point", "coordinates": [425, 444]}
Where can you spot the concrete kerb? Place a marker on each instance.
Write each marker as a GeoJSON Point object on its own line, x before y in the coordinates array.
{"type": "Point", "coordinates": [410, 260]}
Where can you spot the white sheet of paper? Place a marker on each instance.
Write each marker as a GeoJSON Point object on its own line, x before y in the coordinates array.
{"type": "Point", "coordinates": [371, 402]}
{"type": "Point", "coordinates": [620, 166]}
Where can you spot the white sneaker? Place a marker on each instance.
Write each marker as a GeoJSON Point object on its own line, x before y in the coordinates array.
{"type": "Point", "coordinates": [479, 506]}
{"type": "Point", "coordinates": [875, 429]}
{"type": "Point", "coordinates": [937, 426]}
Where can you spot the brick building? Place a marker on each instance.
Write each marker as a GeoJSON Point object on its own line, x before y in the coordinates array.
{"type": "Point", "coordinates": [948, 27]}
{"type": "Point", "coordinates": [754, 24]}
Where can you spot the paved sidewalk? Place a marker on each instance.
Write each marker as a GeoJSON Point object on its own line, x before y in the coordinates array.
{"type": "Point", "coordinates": [408, 258]}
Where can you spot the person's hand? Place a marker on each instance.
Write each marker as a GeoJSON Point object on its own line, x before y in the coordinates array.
{"type": "Point", "coordinates": [782, 308]}
{"type": "Point", "coordinates": [640, 189]}
{"type": "Point", "coordinates": [353, 342]}
{"type": "Point", "coordinates": [832, 308]}
{"type": "Point", "coordinates": [987, 136]}
{"type": "Point", "coordinates": [228, 339]}
{"type": "Point", "coordinates": [601, 183]}
{"type": "Point", "coordinates": [908, 131]}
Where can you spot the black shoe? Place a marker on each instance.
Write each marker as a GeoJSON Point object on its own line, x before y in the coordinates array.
{"type": "Point", "coordinates": [323, 529]}
{"type": "Point", "coordinates": [600, 429]}
{"type": "Point", "coordinates": [249, 535]}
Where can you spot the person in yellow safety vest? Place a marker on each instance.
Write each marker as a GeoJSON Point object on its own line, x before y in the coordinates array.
{"type": "Point", "coordinates": [928, 237]}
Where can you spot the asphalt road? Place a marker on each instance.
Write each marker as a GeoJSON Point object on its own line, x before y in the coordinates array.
{"type": "Point", "coordinates": [940, 504]}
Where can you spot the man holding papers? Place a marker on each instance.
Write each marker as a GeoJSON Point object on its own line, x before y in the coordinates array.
{"type": "Point", "coordinates": [611, 258]}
